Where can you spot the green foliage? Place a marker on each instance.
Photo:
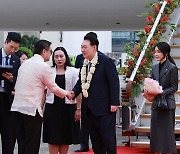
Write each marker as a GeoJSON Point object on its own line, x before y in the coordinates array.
{"type": "Point", "coordinates": [73, 60]}
{"type": "Point", "coordinates": [136, 89]}
{"type": "Point", "coordinates": [28, 41]}
{"type": "Point", "coordinates": [28, 51]}
{"type": "Point", "coordinates": [147, 4]}
{"type": "Point", "coordinates": [133, 50]}
{"type": "Point", "coordinates": [172, 27]}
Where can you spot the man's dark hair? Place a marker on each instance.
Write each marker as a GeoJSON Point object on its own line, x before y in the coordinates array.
{"type": "Point", "coordinates": [92, 37]}
{"type": "Point", "coordinates": [13, 36]}
{"type": "Point", "coordinates": [40, 45]}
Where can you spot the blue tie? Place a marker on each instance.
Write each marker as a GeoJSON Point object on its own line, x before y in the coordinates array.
{"type": "Point", "coordinates": [7, 60]}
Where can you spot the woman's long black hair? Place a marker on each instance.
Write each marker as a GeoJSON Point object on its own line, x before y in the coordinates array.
{"type": "Point", "coordinates": [165, 49]}
{"type": "Point", "coordinates": [67, 63]}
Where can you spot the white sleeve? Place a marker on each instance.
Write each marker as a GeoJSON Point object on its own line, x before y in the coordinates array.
{"type": "Point", "coordinates": [75, 76]}
{"type": "Point", "coordinates": [48, 80]}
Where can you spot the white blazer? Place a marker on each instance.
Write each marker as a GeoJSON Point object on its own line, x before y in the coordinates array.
{"type": "Point", "coordinates": [71, 77]}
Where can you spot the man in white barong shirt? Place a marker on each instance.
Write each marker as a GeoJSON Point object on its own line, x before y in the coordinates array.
{"type": "Point", "coordinates": [33, 77]}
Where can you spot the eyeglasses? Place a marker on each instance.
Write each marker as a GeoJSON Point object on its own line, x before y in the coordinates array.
{"type": "Point", "coordinates": [11, 47]}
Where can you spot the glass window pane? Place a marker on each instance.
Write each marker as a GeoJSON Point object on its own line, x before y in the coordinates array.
{"type": "Point", "coordinates": [120, 38]}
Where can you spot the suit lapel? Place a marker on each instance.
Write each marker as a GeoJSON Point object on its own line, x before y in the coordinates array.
{"type": "Point", "coordinates": [156, 72]}
{"type": "Point", "coordinates": [12, 60]}
{"type": "Point", "coordinates": [98, 54]}
{"type": "Point", "coordinates": [164, 69]}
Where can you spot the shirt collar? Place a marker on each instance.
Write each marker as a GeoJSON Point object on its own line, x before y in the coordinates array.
{"type": "Point", "coordinates": [4, 54]}
{"type": "Point", "coordinates": [39, 57]}
{"type": "Point", "coordinates": [91, 60]}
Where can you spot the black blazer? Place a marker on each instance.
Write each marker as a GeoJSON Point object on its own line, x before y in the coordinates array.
{"type": "Point", "coordinates": [79, 61]}
{"type": "Point", "coordinates": [9, 86]}
{"type": "Point", "coordinates": [168, 79]}
{"type": "Point", "coordinates": [104, 87]}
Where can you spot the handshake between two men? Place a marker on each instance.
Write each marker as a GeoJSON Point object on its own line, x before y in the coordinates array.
{"type": "Point", "coordinates": [70, 95]}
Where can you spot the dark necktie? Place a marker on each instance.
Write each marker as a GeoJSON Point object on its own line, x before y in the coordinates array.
{"type": "Point", "coordinates": [89, 66]}
{"type": "Point", "coordinates": [7, 60]}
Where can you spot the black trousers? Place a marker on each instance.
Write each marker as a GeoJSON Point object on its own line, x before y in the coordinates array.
{"type": "Point", "coordinates": [28, 131]}
{"type": "Point", "coordinates": [103, 133]}
{"type": "Point", "coordinates": [84, 140]}
{"type": "Point", "coordinates": [6, 128]}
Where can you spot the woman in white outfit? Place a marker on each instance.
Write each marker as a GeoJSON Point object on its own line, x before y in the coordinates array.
{"type": "Point", "coordinates": [61, 117]}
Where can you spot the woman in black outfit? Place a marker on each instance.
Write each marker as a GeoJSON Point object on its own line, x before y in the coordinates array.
{"type": "Point", "coordinates": [61, 126]}
{"type": "Point", "coordinates": [162, 138]}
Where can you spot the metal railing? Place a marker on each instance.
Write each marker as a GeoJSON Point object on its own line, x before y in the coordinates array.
{"type": "Point", "coordinates": [176, 18]}
{"type": "Point", "coordinates": [147, 41]}
{"type": "Point", "coordinates": [141, 57]}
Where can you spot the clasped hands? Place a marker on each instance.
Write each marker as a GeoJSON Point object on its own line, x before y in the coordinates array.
{"type": "Point", "coordinates": [8, 76]}
{"type": "Point", "coordinates": [70, 95]}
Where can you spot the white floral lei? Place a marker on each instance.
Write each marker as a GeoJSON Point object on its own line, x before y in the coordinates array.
{"type": "Point", "coordinates": [85, 82]}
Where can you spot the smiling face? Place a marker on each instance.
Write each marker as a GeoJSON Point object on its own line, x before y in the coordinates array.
{"type": "Point", "coordinates": [159, 56]}
{"type": "Point", "coordinates": [59, 58]}
{"type": "Point", "coordinates": [88, 50]}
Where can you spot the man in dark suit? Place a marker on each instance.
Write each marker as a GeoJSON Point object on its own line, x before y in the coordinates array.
{"type": "Point", "coordinates": [99, 84]}
{"type": "Point", "coordinates": [7, 83]}
{"type": "Point", "coordinates": [79, 61]}
{"type": "Point", "coordinates": [84, 139]}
